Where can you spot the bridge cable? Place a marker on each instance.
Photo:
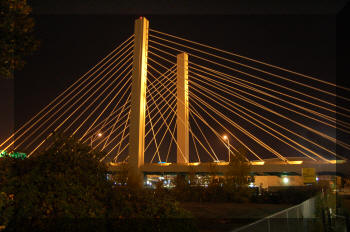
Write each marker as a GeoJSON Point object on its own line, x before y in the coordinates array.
{"type": "Point", "coordinates": [77, 108]}
{"type": "Point", "coordinates": [195, 146]}
{"type": "Point", "coordinates": [308, 110]}
{"type": "Point", "coordinates": [258, 125]}
{"type": "Point", "coordinates": [276, 124]}
{"type": "Point", "coordinates": [123, 108]}
{"type": "Point", "coordinates": [183, 121]}
{"type": "Point", "coordinates": [63, 114]}
{"type": "Point", "coordinates": [250, 59]}
{"type": "Point", "coordinates": [47, 112]}
{"type": "Point", "coordinates": [154, 135]}
{"type": "Point", "coordinates": [250, 75]}
{"type": "Point", "coordinates": [281, 106]}
{"type": "Point", "coordinates": [208, 124]}
{"type": "Point", "coordinates": [155, 138]}
{"type": "Point", "coordinates": [272, 111]}
{"type": "Point", "coordinates": [222, 75]}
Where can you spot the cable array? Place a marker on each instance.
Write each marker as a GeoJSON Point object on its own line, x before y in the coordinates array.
{"type": "Point", "coordinates": [93, 109]}
{"type": "Point", "coordinates": [266, 111]}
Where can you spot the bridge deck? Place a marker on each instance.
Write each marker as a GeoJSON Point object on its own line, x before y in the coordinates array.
{"type": "Point", "coordinates": [271, 165]}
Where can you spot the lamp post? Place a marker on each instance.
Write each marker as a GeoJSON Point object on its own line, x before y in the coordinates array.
{"type": "Point", "coordinates": [98, 135]}
{"type": "Point", "coordinates": [225, 137]}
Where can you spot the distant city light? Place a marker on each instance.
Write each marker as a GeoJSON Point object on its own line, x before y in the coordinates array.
{"type": "Point", "coordinates": [295, 162]}
{"type": "Point", "coordinates": [337, 161]}
{"type": "Point", "coordinates": [194, 164]}
{"type": "Point", "coordinates": [17, 155]}
{"type": "Point", "coordinates": [285, 180]}
{"type": "Point", "coordinates": [162, 163]}
{"type": "Point", "coordinates": [257, 162]}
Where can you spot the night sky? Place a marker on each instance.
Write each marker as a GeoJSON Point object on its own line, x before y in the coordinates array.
{"type": "Point", "coordinates": [73, 39]}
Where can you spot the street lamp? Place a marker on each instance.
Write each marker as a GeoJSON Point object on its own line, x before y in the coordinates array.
{"type": "Point", "coordinates": [225, 137]}
{"type": "Point", "coordinates": [98, 135]}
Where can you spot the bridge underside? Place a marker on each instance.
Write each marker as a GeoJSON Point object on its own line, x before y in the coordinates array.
{"type": "Point", "coordinates": [270, 166]}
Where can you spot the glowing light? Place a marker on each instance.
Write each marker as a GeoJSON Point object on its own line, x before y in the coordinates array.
{"type": "Point", "coordinates": [251, 184]}
{"type": "Point", "coordinates": [17, 155]}
{"type": "Point", "coordinates": [337, 161]}
{"type": "Point", "coordinates": [221, 163]}
{"type": "Point", "coordinates": [316, 178]}
{"type": "Point", "coordinates": [285, 180]}
{"type": "Point", "coordinates": [116, 163]}
{"type": "Point", "coordinates": [194, 164]}
{"type": "Point", "coordinates": [225, 137]}
{"type": "Point", "coordinates": [257, 162]}
{"type": "Point", "coordinates": [99, 134]}
{"type": "Point", "coordinates": [163, 163]}
{"type": "Point", "coordinates": [295, 162]}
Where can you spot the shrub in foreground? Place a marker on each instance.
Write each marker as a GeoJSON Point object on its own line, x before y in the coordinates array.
{"type": "Point", "coordinates": [65, 189]}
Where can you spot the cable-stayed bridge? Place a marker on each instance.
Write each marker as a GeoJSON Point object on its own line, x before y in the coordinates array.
{"type": "Point", "coordinates": [163, 103]}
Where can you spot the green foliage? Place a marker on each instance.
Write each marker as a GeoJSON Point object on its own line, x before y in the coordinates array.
{"type": "Point", "coordinates": [121, 176]}
{"type": "Point", "coordinates": [17, 40]}
{"type": "Point", "coordinates": [64, 181]}
{"type": "Point", "coordinates": [149, 210]}
{"type": "Point", "coordinates": [232, 188]}
{"type": "Point", "coordinates": [65, 189]}
{"type": "Point", "coordinates": [238, 171]}
{"type": "Point", "coordinates": [329, 204]}
{"type": "Point", "coordinates": [6, 207]}
{"type": "Point", "coordinates": [180, 182]}
{"type": "Point", "coordinates": [18, 155]}
{"type": "Point", "coordinates": [237, 178]}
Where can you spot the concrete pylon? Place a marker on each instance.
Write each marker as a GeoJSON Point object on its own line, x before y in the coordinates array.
{"type": "Point", "coordinates": [138, 103]}
{"type": "Point", "coordinates": [182, 120]}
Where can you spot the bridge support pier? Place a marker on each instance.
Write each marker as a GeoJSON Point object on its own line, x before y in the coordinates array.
{"type": "Point", "coordinates": [182, 120]}
{"type": "Point", "coordinates": [138, 103]}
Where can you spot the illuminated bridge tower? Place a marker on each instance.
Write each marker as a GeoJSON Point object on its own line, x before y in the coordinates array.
{"type": "Point", "coordinates": [138, 105]}
{"type": "Point", "coordinates": [138, 102]}
{"type": "Point", "coordinates": [182, 119]}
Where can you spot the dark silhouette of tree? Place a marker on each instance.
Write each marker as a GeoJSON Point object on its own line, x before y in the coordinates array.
{"type": "Point", "coordinates": [65, 188]}
{"type": "Point", "coordinates": [17, 40]}
{"type": "Point", "coordinates": [64, 182]}
{"type": "Point", "coordinates": [238, 173]}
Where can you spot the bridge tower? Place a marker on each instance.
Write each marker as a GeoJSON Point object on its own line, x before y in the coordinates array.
{"type": "Point", "coordinates": [182, 120]}
{"type": "Point", "coordinates": [138, 102]}
{"type": "Point", "coordinates": [138, 105]}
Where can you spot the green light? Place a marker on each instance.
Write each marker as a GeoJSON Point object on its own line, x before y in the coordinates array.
{"type": "Point", "coordinates": [16, 155]}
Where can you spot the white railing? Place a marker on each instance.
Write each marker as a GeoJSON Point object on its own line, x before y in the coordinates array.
{"type": "Point", "coordinates": [297, 218]}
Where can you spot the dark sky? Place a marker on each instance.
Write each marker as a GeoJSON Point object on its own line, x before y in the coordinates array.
{"type": "Point", "coordinates": [127, 7]}
{"type": "Point", "coordinates": [75, 36]}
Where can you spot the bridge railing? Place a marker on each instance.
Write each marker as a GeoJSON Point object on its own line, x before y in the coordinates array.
{"type": "Point", "coordinates": [297, 218]}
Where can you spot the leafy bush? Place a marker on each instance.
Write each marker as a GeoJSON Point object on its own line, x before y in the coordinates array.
{"type": "Point", "coordinates": [232, 188]}
{"type": "Point", "coordinates": [65, 189]}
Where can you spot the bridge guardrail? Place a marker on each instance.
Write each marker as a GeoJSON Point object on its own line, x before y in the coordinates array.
{"type": "Point", "coordinates": [296, 218]}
